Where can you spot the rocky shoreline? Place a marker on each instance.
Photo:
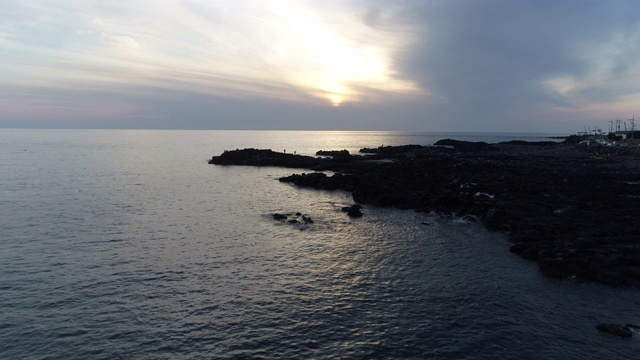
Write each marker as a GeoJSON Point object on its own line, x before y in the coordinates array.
{"type": "Point", "coordinates": [573, 209]}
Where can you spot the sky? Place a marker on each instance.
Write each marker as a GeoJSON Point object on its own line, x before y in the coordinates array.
{"type": "Point", "coordinates": [408, 65]}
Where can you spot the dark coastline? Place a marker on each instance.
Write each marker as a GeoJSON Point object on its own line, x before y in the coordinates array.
{"type": "Point", "coordinates": [572, 208]}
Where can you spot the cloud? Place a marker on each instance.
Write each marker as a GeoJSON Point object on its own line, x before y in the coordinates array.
{"type": "Point", "coordinates": [502, 59]}
{"type": "Point", "coordinates": [26, 106]}
{"type": "Point", "coordinates": [121, 42]}
{"type": "Point", "coordinates": [264, 43]}
{"type": "Point", "coordinates": [430, 65]}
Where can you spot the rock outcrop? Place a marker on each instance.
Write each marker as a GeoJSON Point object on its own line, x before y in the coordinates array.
{"type": "Point", "coordinates": [332, 153]}
{"type": "Point", "coordinates": [263, 157]}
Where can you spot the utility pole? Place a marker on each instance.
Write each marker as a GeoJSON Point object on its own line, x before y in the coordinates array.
{"type": "Point", "coordinates": [633, 125]}
{"type": "Point", "coordinates": [610, 126]}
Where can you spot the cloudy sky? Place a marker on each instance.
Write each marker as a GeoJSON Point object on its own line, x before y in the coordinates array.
{"type": "Point", "coordinates": [421, 65]}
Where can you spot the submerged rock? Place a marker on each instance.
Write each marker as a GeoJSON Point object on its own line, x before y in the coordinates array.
{"type": "Point", "coordinates": [278, 216]}
{"type": "Point", "coordinates": [616, 330]}
{"type": "Point", "coordinates": [293, 219]}
{"type": "Point", "coordinates": [353, 210]}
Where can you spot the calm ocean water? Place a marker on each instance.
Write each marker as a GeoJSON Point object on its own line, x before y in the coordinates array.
{"type": "Point", "coordinates": [119, 244]}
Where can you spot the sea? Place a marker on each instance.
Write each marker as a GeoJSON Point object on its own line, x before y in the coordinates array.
{"type": "Point", "coordinates": [126, 244]}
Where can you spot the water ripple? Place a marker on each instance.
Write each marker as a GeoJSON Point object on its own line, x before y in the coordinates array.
{"type": "Point", "coordinates": [191, 265]}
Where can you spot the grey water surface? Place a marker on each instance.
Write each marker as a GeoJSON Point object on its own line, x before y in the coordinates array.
{"type": "Point", "coordinates": [126, 244]}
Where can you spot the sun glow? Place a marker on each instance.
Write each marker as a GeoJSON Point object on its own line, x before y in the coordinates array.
{"type": "Point", "coordinates": [336, 100]}
{"type": "Point", "coordinates": [336, 60]}
{"type": "Point", "coordinates": [336, 94]}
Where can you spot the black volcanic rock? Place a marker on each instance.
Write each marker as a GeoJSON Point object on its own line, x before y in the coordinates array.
{"type": "Point", "coordinates": [321, 181]}
{"type": "Point", "coordinates": [280, 217]}
{"type": "Point", "coordinates": [529, 143]}
{"type": "Point", "coordinates": [616, 330]}
{"type": "Point", "coordinates": [392, 149]}
{"type": "Point", "coordinates": [258, 157]}
{"type": "Point", "coordinates": [569, 208]}
{"type": "Point", "coordinates": [333, 153]}
{"type": "Point", "coordinates": [353, 210]}
{"type": "Point", "coordinates": [293, 219]}
{"type": "Point", "coordinates": [462, 145]}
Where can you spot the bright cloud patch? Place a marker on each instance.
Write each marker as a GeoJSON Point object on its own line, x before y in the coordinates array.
{"type": "Point", "coordinates": [335, 61]}
{"type": "Point", "coordinates": [120, 42]}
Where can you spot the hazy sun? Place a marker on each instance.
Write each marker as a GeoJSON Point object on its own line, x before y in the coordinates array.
{"type": "Point", "coordinates": [336, 100]}
{"type": "Point", "coordinates": [330, 61]}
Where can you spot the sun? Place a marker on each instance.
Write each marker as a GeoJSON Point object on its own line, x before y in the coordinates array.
{"type": "Point", "coordinates": [336, 93]}
{"type": "Point", "coordinates": [336, 100]}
